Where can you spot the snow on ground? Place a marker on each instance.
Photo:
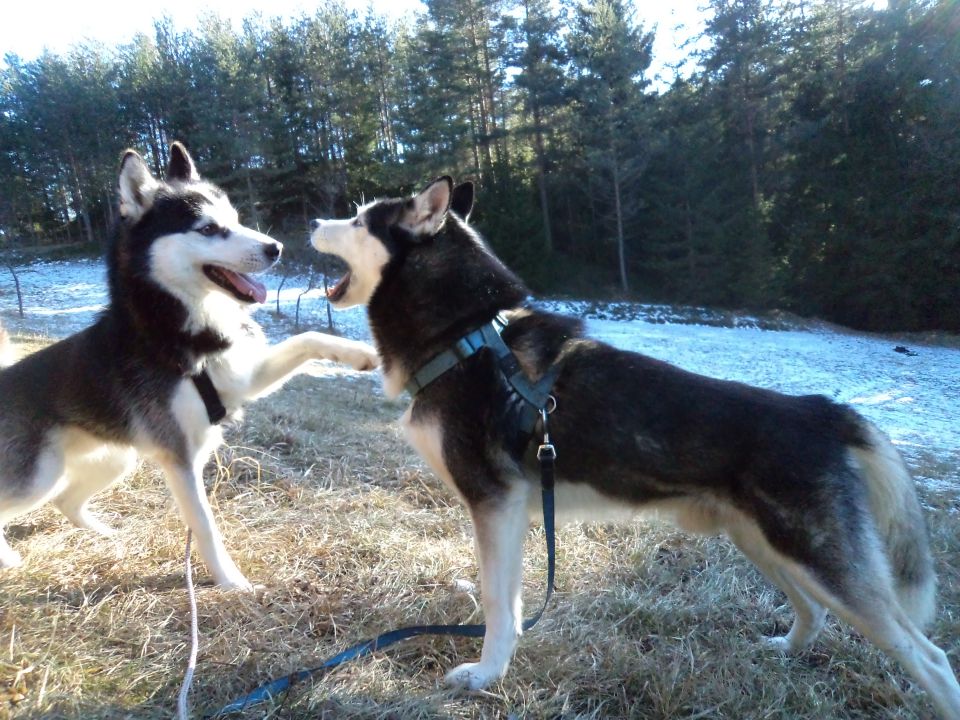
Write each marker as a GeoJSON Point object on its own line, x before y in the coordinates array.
{"type": "Point", "coordinates": [913, 398]}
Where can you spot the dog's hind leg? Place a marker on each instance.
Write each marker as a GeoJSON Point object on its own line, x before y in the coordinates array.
{"type": "Point", "coordinates": [21, 497]}
{"type": "Point", "coordinates": [895, 632]}
{"type": "Point", "coordinates": [86, 476]}
{"type": "Point", "coordinates": [809, 614]}
{"type": "Point", "coordinates": [186, 484]}
{"type": "Point", "coordinates": [500, 525]}
{"type": "Point", "coordinates": [873, 608]}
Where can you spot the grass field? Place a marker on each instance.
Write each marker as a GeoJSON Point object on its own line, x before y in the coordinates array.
{"type": "Point", "coordinates": [323, 504]}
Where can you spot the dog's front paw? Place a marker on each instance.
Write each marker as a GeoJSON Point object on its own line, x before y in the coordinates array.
{"type": "Point", "coordinates": [361, 356]}
{"type": "Point", "coordinates": [472, 676]}
{"type": "Point", "coordinates": [239, 583]}
{"type": "Point", "coordinates": [91, 522]}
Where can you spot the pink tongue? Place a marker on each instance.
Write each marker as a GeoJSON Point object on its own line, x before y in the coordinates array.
{"type": "Point", "coordinates": [246, 285]}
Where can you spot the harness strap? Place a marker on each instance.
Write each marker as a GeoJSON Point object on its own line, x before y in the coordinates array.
{"type": "Point", "coordinates": [468, 345]}
{"type": "Point", "coordinates": [535, 395]}
{"type": "Point", "coordinates": [211, 398]}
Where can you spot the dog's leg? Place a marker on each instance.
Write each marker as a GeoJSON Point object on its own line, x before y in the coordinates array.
{"type": "Point", "coordinates": [873, 609]}
{"type": "Point", "coordinates": [928, 664]}
{"type": "Point", "coordinates": [186, 484]}
{"type": "Point", "coordinates": [286, 357]}
{"type": "Point", "coordinates": [86, 477]}
{"type": "Point", "coordinates": [809, 614]}
{"type": "Point", "coordinates": [44, 484]}
{"type": "Point", "coordinates": [500, 525]}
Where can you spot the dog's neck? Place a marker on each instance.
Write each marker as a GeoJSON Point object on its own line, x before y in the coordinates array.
{"type": "Point", "coordinates": [160, 328]}
{"type": "Point", "coordinates": [434, 293]}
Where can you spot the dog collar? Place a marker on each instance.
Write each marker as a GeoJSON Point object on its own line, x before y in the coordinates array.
{"type": "Point", "coordinates": [534, 396]}
{"type": "Point", "coordinates": [211, 398]}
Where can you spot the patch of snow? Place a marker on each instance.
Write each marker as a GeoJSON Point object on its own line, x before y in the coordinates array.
{"type": "Point", "coordinates": [914, 399]}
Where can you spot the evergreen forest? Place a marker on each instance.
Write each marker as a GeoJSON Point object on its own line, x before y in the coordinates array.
{"type": "Point", "coordinates": [806, 159]}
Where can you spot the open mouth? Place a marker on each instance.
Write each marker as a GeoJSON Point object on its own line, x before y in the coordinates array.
{"type": "Point", "coordinates": [242, 287]}
{"type": "Point", "coordinates": [337, 292]}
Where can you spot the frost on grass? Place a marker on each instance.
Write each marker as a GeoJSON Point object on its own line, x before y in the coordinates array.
{"type": "Point", "coordinates": [322, 503]}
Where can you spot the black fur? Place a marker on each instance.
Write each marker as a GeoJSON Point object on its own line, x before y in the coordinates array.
{"type": "Point", "coordinates": [133, 356]}
{"type": "Point", "coordinates": [635, 428]}
{"type": "Point", "coordinates": [153, 318]}
{"type": "Point", "coordinates": [461, 200]}
{"type": "Point", "coordinates": [450, 266]}
{"type": "Point", "coordinates": [814, 495]}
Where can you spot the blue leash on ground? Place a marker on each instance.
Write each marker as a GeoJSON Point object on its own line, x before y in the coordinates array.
{"type": "Point", "coordinates": [546, 455]}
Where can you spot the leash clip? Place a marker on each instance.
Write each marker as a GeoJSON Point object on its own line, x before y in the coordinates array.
{"type": "Point", "coordinates": [546, 449]}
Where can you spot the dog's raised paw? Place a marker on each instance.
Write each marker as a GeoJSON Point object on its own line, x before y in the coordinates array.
{"type": "Point", "coordinates": [362, 357]}
{"type": "Point", "coordinates": [471, 676]}
{"type": "Point", "coordinates": [89, 522]}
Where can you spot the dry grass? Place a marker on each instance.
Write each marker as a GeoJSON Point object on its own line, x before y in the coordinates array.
{"type": "Point", "coordinates": [323, 504]}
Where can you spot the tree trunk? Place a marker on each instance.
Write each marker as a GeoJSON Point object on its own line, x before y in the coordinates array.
{"type": "Point", "coordinates": [619, 212]}
{"type": "Point", "coordinates": [545, 209]}
{"type": "Point", "coordinates": [484, 113]}
{"type": "Point", "coordinates": [691, 254]}
{"type": "Point", "coordinates": [78, 197]}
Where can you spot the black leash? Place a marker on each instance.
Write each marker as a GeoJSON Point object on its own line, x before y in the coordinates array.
{"type": "Point", "coordinates": [546, 454]}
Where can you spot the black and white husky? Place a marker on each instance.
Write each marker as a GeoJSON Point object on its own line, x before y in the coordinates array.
{"type": "Point", "coordinates": [811, 492]}
{"type": "Point", "coordinates": [75, 416]}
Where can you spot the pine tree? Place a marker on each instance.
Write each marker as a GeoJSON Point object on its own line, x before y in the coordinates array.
{"type": "Point", "coordinates": [542, 85]}
{"type": "Point", "coordinates": [610, 55]}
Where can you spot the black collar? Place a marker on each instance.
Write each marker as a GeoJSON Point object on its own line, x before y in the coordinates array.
{"type": "Point", "coordinates": [211, 398]}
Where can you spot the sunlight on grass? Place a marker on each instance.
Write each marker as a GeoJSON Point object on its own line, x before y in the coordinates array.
{"type": "Point", "coordinates": [323, 504]}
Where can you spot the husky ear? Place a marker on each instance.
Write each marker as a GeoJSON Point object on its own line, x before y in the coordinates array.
{"type": "Point", "coordinates": [181, 164]}
{"type": "Point", "coordinates": [137, 186]}
{"type": "Point", "coordinates": [424, 213]}
{"type": "Point", "coordinates": [461, 201]}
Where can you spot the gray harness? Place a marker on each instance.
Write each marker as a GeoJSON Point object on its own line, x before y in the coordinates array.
{"type": "Point", "coordinates": [527, 398]}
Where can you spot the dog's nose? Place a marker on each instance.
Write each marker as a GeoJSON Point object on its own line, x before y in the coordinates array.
{"type": "Point", "coordinates": [272, 251]}
{"type": "Point", "coordinates": [314, 224]}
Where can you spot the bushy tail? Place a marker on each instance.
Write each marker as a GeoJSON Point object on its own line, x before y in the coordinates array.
{"type": "Point", "coordinates": [897, 512]}
{"type": "Point", "coordinates": [6, 348]}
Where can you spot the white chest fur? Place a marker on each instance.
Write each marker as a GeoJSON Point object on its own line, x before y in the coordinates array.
{"type": "Point", "coordinates": [426, 437]}
{"type": "Point", "coordinates": [232, 371]}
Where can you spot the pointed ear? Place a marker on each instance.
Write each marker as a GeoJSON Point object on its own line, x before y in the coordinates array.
{"type": "Point", "coordinates": [181, 164]}
{"type": "Point", "coordinates": [137, 186]}
{"type": "Point", "coordinates": [462, 200]}
{"type": "Point", "coordinates": [425, 212]}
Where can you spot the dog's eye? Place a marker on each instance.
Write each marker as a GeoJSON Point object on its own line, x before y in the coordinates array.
{"type": "Point", "coordinates": [356, 222]}
{"type": "Point", "coordinates": [209, 230]}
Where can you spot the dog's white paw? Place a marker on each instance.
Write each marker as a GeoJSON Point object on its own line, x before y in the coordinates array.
{"type": "Point", "coordinates": [472, 676]}
{"type": "Point", "coordinates": [239, 583]}
{"type": "Point", "coordinates": [360, 357]}
{"type": "Point", "coordinates": [779, 644]}
{"type": "Point", "coordinates": [89, 522]}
